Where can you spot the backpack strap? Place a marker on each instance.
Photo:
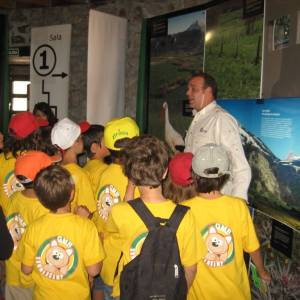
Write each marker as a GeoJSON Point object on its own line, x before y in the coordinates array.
{"type": "Point", "coordinates": [143, 212]}
{"type": "Point", "coordinates": [177, 216]}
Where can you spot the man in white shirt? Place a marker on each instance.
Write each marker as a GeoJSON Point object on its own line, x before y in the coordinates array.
{"type": "Point", "coordinates": [212, 124]}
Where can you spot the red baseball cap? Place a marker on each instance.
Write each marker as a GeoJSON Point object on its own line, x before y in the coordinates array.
{"type": "Point", "coordinates": [21, 125]}
{"type": "Point", "coordinates": [84, 126]}
{"type": "Point", "coordinates": [180, 168]}
{"type": "Point", "coordinates": [30, 163]}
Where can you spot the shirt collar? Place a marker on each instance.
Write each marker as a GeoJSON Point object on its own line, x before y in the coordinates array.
{"type": "Point", "coordinates": [206, 109]}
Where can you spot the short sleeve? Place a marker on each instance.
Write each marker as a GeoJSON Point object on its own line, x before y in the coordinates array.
{"type": "Point", "coordinates": [189, 241]}
{"type": "Point", "coordinates": [93, 248]}
{"type": "Point", "coordinates": [26, 250]}
{"type": "Point", "coordinates": [85, 193]}
{"type": "Point", "coordinates": [111, 226]}
{"type": "Point", "coordinates": [249, 237]}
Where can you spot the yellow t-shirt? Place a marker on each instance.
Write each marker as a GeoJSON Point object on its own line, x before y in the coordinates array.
{"type": "Point", "coordinates": [83, 189]}
{"type": "Point", "coordinates": [227, 230]}
{"type": "Point", "coordinates": [8, 182]}
{"type": "Point", "coordinates": [95, 168]}
{"type": "Point", "coordinates": [127, 226]}
{"type": "Point", "coordinates": [111, 191]}
{"type": "Point", "coordinates": [21, 212]}
{"type": "Point", "coordinates": [60, 247]}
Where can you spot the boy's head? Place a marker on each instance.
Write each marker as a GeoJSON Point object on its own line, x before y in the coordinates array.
{"type": "Point", "coordinates": [21, 125]}
{"type": "Point", "coordinates": [119, 129]}
{"type": "Point", "coordinates": [29, 164]}
{"type": "Point", "coordinates": [146, 161]}
{"type": "Point", "coordinates": [180, 168]}
{"type": "Point", "coordinates": [66, 134]}
{"type": "Point", "coordinates": [24, 134]}
{"type": "Point", "coordinates": [211, 168]}
{"type": "Point", "coordinates": [178, 185]}
{"type": "Point", "coordinates": [93, 142]}
{"type": "Point", "coordinates": [54, 187]}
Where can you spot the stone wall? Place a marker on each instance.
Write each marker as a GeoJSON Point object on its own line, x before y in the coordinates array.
{"type": "Point", "coordinates": [21, 21]}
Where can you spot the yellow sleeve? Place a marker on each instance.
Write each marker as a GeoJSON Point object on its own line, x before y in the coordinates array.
{"type": "Point", "coordinates": [25, 250]}
{"type": "Point", "coordinates": [98, 221]}
{"type": "Point", "coordinates": [110, 225]}
{"type": "Point", "coordinates": [93, 248]}
{"type": "Point", "coordinates": [249, 237]}
{"type": "Point", "coordinates": [189, 241]}
{"type": "Point", "coordinates": [85, 194]}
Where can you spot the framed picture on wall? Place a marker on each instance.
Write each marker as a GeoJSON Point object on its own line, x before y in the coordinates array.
{"type": "Point", "coordinates": [219, 38]}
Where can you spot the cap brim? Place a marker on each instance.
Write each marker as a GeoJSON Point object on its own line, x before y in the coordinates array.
{"type": "Point", "coordinates": [56, 158]}
{"type": "Point", "coordinates": [42, 123]}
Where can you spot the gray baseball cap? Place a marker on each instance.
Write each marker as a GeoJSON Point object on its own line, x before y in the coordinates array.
{"type": "Point", "coordinates": [208, 157]}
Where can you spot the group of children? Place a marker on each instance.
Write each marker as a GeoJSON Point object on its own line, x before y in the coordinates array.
{"type": "Point", "coordinates": [74, 230]}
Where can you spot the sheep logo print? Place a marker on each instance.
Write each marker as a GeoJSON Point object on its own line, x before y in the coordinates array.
{"type": "Point", "coordinates": [11, 184]}
{"type": "Point", "coordinates": [219, 243]}
{"type": "Point", "coordinates": [16, 226]}
{"type": "Point", "coordinates": [136, 244]}
{"type": "Point", "coordinates": [57, 258]}
{"type": "Point", "coordinates": [106, 198]}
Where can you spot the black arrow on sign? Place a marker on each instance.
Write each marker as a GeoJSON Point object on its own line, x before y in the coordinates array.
{"type": "Point", "coordinates": [45, 92]}
{"type": "Point", "coordinates": [62, 75]}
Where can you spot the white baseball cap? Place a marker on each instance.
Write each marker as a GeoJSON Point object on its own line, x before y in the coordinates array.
{"type": "Point", "coordinates": [211, 156]}
{"type": "Point", "coordinates": [65, 133]}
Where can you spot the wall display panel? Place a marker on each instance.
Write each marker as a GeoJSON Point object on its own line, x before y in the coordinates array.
{"type": "Point", "coordinates": [233, 49]}
{"type": "Point", "coordinates": [284, 270]}
{"type": "Point", "coordinates": [270, 135]}
{"type": "Point", "coordinates": [223, 38]}
{"type": "Point", "coordinates": [176, 51]}
{"type": "Point", "coordinates": [280, 72]}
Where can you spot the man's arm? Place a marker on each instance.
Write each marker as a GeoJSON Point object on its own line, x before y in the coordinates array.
{"type": "Point", "coordinates": [228, 135]}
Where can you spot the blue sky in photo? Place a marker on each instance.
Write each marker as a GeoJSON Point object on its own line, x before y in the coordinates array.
{"type": "Point", "coordinates": [181, 23]}
{"type": "Point", "coordinates": [249, 114]}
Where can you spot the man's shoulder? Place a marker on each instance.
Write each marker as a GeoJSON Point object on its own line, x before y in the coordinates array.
{"type": "Point", "coordinates": [221, 112]}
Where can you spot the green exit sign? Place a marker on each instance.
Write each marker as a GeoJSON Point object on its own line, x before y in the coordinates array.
{"type": "Point", "coordinates": [13, 51]}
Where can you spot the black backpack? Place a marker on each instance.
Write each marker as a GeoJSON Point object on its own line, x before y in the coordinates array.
{"type": "Point", "coordinates": [156, 273]}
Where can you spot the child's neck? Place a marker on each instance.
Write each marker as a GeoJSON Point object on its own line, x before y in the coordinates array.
{"type": "Point", "coordinates": [153, 195]}
{"type": "Point", "coordinates": [211, 195]}
{"type": "Point", "coordinates": [64, 210]}
{"type": "Point", "coordinates": [69, 157]}
{"type": "Point", "coordinates": [29, 193]}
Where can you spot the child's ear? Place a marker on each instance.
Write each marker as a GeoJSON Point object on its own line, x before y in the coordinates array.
{"type": "Point", "coordinates": [72, 195]}
{"type": "Point", "coordinates": [165, 174]}
{"type": "Point", "coordinates": [94, 147]}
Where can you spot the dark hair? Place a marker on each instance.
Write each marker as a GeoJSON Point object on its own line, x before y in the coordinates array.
{"type": "Point", "coordinates": [39, 140]}
{"type": "Point", "coordinates": [53, 186]}
{"type": "Point", "coordinates": [209, 81]}
{"type": "Point", "coordinates": [93, 135]}
{"type": "Point", "coordinates": [176, 192]}
{"type": "Point", "coordinates": [207, 185]}
{"type": "Point", "coordinates": [46, 109]}
{"type": "Point", "coordinates": [146, 160]}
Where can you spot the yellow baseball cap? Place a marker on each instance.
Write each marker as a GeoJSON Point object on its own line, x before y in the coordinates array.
{"type": "Point", "coordinates": [118, 129]}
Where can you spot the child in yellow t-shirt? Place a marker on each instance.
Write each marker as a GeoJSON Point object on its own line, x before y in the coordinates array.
{"type": "Point", "coordinates": [60, 250]}
{"type": "Point", "coordinates": [146, 164]}
{"type": "Point", "coordinates": [23, 135]}
{"type": "Point", "coordinates": [227, 230]}
{"type": "Point", "coordinates": [95, 150]}
{"type": "Point", "coordinates": [66, 135]}
{"type": "Point", "coordinates": [23, 209]}
{"type": "Point", "coordinates": [111, 190]}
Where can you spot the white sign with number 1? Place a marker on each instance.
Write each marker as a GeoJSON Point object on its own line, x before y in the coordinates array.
{"type": "Point", "coordinates": [49, 67]}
